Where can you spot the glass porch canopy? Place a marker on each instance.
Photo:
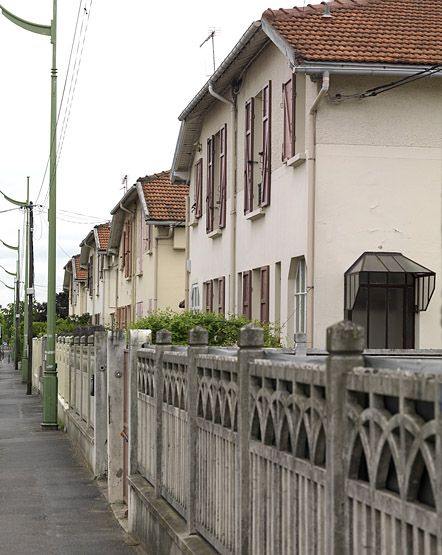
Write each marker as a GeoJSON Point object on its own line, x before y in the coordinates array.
{"type": "Point", "coordinates": [389, 269]}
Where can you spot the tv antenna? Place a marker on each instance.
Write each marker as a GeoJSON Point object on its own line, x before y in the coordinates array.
{"type": "Point", "coordinates": [124, 183]}
{"type": "Point", "coordinates": [211, 36]}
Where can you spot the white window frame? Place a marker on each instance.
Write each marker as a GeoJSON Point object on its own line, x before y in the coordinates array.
{"type": "Point", "coordinates": [195, 298]}
{"type": "Point", "coordinates": [301, 297]}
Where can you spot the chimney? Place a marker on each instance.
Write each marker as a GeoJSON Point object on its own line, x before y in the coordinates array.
{"type": "Point", "coordinates": [327, 12]}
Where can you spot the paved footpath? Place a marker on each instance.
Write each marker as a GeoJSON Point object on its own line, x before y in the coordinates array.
{"type": "Point", "coordinates": [49, 503]}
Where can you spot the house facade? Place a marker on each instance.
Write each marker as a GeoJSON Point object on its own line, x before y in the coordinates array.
{"type": "Point", "coordinates": [147, 246]}
{"type": "Point", "coordinates": [313, 156]}
{"type": "Point", "coordinates": [75, 282]}
{"type": "Point", "coordinates": [95, 260]}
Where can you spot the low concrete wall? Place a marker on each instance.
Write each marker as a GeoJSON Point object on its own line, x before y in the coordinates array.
{"type": "Point", "coordinates": [81, 437]}
{"type": "Point", "coordinates": [158, 527]}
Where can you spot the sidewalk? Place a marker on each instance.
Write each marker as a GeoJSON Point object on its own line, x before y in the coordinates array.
{"type": "Point", "coordinates": [49, 504]}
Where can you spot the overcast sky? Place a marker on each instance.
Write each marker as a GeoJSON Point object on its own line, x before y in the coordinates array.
{"type": "Point", "coordinates": [141, 63]}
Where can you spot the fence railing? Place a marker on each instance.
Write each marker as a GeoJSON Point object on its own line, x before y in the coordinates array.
{"type": "Point", "coordinates": [269, 456]}
{"type": "Point", "coordinates": [75, 358]}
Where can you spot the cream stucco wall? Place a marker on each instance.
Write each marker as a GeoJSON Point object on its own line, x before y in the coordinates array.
{"type": "Point", "coordinates": [378, 187]}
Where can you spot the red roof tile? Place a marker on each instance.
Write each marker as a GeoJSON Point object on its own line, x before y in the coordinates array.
{"type": "Point", "coordinates": [165, 201]}
{"type": "Point", "coordinates": [79, 273]}
{"type": "Point", "coordinates": [103, 233]}
{"type": "Point", "coordinates": [364, 31]}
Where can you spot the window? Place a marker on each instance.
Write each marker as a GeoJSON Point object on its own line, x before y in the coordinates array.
{"type": "Point", "coordinates": [195, 298]}
{"type": "Point", "coordinates": [383, 292]}
{"type": "Point", "coordinates": [216, 180]}
{"type": "Point", "coordinates": [288, 102]}
{"type": "Point", "coordinates": [123, 317]}
{"type": "Point", "coordinates": [198, 206]}
{"type": "Point", "coordinates": [257, 154]}
{"type": "Point", "coordinates": [301, 297]}
{"type": "Point", "coordinates": [96, 319]}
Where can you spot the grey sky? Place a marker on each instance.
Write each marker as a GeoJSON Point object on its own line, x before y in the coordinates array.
{"type": "Point", "coordinates": [141, 65]}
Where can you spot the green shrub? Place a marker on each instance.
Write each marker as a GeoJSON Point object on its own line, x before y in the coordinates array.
{"type": "Point", "coordinates": [223, 331]}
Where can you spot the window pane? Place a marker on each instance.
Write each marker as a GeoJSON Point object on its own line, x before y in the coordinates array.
{"type": "Point", "coordinates": [395, 318]}
{"type": "Point", "coordinates": [377, 318]}
{"type": "Point", "coordinates": [359, 313]}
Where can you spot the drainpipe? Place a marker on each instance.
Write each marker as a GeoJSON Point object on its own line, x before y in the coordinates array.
{"type": "Point", "coordinates": [311, 172]}
{"type": "Point", "coordinates": [232, 179]}
{"type": "Point", "coordinates": [187, 269]}
{"type": "Point", "coordinates": [133, 294]}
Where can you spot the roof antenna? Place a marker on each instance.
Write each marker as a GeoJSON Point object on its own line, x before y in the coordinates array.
{"type": "Point", "coordinates": [327, 12]}
{"type": "Point", "coordinates": [124, 183]}
{"type": "Point", "coordinates": [211, 36]}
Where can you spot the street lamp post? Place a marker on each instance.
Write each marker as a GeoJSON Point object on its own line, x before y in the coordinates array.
{"type": "Point", "coordinates": [50, 385]}
{"type": "Point", "coordinates": [17, 298]}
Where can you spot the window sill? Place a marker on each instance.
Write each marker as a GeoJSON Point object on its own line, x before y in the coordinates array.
{"type": "Point", "coordinates": [296, 160]}
{"type": "Point", "coordinates": [256, 214]}
{"type": "Point", "coordinates": [215, 233]}
{"type": "Point", "coordinates": [194, 222]}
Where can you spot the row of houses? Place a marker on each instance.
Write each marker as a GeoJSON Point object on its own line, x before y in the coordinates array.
{"type": "Point", "coordinates": [305, 185]}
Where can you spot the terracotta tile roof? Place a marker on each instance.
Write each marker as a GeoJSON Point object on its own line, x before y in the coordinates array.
{"type": "Point", "coordinates": [165, 201]}
{"type": "Point", "coordinates": [383, 31]}
{"type": "Point", "coordinates": [79, 273]}
{"type": "Point", "coordinates": [103, 233]}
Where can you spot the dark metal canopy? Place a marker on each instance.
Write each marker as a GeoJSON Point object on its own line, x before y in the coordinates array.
{"type": "Point", "coordinates": [389, 269]}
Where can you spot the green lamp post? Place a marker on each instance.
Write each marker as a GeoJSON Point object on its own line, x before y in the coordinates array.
{"type": "Point", "coordinates": [50, 385]}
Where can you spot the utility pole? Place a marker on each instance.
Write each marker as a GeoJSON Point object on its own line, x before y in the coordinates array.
{"type": "Point", "coordinates": [29, 293]}
{"type": "Point", "coordinates": [50, 385]}
{"type": "Point", "coordinates": [17, 307]}
{"type": "Point", "coordinates": [24, 358]}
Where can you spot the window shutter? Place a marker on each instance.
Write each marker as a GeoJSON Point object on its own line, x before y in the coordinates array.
{"type": "Point", "coordinates": [199, 188]}
{"type": "Point", "coordinates": [288, 99]}
{"type": "Point", "coordinates": [248, 157]}
{"type": "Point", "coordinates": [264, 312]}
{"type": "Point", "coordinates": [210, 180]}
{"type": "Point", "coordinates": [208, 288]}
{"type": "Point", "coordinates": [247, 294]}
{"type": "Point", "coordinates": [129, 249]}
{"type": "Point", "coordinates": [266, 143]}
{"type": "Point", "coordinates": [221, 295]}
{"type": "Point", "coordinates": [123, 262]}
{"type": "Point", "coordinates": [222, 176]}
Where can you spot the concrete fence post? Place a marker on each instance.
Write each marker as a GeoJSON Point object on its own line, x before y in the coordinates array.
{"type": "Point", "coordinates": [163, 342]}
{"type": "Point", "coordinates": [71, 373]}
{"type": "Point", "coordinates": [136, 340]}
{"type": "Point", "coordinates": [115, 372]}
{"type": "Point", "coordinates": [345, 343]}
{"type": "Point", "coordinates": [90, 371]}
{"type": "Point", "coordinates": [100, 405]}
{"type": "Point", "coordinates": [198, 340]}
{"type": "Point", "coordinates": [250, 342]}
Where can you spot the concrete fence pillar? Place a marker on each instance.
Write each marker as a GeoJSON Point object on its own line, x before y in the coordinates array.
{"type": "Point", "coordinates": [198, 340]}
{"type": "Point", "coordinates": [71, 372]}
{"type": "Point", "coordinates": [136, 340]}
{"type": "Point", "coordinates": [115, 371]}
{"type": "Point", "coordinates": [100, 405]}
{"type": "Point", "coordinates": [163, 342]}
{"type": "Point", "coordinates": [250, 342]}
{"type": "Point", "coordinates": [345, 343]}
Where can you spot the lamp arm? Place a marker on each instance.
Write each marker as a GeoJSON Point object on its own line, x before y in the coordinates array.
{"type": "Point", "coordinates": [28, 25]}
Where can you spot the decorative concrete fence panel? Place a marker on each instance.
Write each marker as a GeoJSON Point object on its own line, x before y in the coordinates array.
{"type": "Point", "coordinates": [261, 454]}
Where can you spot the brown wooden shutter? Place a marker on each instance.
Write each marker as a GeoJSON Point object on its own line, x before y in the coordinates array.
{"type": "Point", "coordinates": [288, 100]}
{"type": "Point", "coordinates": [248, 156]}
{"type": "Point", "coordinates": [208, 292]}
{"type": "Point", "coordinates": [210, 182]}
{"type": "Point", "coordinates": [266, 143]}
{"type": "Point", "coordinates": [129, 249]}
{"type": "Point", "coordinates": [264, 299]}
{"type": "Point", "coordinates": [247, 294]}
{"type": "Point", "coordinates": [222, 295]}
{"type": "Point", "coordinates": [124, 251]}
{"type": "Point", "coordinates": [199, 188]}
{"type": "Point", "coordinates": [222, 175]}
